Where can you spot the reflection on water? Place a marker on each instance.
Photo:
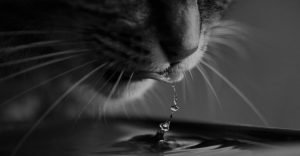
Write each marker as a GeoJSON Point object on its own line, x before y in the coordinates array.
{"type": "Point", "coordinates": [137, 137]}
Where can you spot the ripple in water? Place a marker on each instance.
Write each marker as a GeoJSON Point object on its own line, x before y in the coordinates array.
{"type": "Point", "coordinates": [176, 145]}
{"type": "Point", "coordinates": [167, 144]}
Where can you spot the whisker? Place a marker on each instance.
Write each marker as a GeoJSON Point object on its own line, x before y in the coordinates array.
{"type": "Point", "coordinates": [191, 74]}
{"type": "Point", "coordinates": [238, 91]}
{"type": "Point", "coordinates": [10, 50]}
{"type": "Point", "coordinates": [235, 46]}
{"type": "Point", "coordinates": [128, 83]}
{"type": "Point", "coordinates": [95, 95]}
{"type": "Point", "coordinates": [230, 27]}
{"type": "Point", "coordinates": [184, 89]}
{"type": "Point", "coordinates": [104, 85]}
{"type": "Point", "coordinates": [88, 103]}
{"type": "Point", "coordinates": [45, 82]}
{"type": "Point", "coordinates": [42, 57]}
{"type": "Point", "coordinates": [230, 32]}
{"type": "Point", "coordinates": [37, 67]}
{"type": "Point", "coordinates": [211, 87]}
{"type": "Point", "coordinates": [128, 94]}
{"type": "Point", "coordinates": [38, 122]}
{"type": "Point", "coordinates": [113, 90]}
{"type": "Point", "coordinates": [186, 85]}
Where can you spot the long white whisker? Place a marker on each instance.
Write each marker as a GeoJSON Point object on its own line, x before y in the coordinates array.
{"type": "Point", "coordinates": [38, 122]}
{"type": "Point", "coordinates": [184, 89]}
{"type": "Point", "coordinates": [10, 50]}
{"type": "Point", "coordinates": [113, 90]}
{"type": "Point", "coordinates": [191, 74]}
{"type": "Point", "coordinates": [94, 96]}
{"type": "Point", "coordinates": [128, 94]}
{"type": "Point", "coordinates": [233, 45]}
{"type": "Point", "coordinates": [229, 83]}
{"type": "Point", "coordinates": [37, 67]}
{"type": "Point", "coordinates": [228, 32]}
{"type": "Point", "coordinates": [103, 86]}
{"type": "Point", "coordinates": [201, 70]}
{"type": "Point", "coordinates": [45, 82]}
{"type": "Point", "coordinates": [41, 57]}
{"type": "Point", "coordinates": [89, 102]}
{"type": "Point", "coordinates": [229, 28]}
{"type": "Point", "coordinates": [128, 83]}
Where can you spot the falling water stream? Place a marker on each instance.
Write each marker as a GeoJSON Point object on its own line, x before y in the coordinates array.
{"type": "Point", "coordinates": [165, 126]}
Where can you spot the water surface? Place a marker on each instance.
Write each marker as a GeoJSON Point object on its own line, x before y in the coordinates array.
{"type": "Point", "coordinates": [138, 137]}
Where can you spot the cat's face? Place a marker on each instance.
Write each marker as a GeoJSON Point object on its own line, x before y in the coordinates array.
{"type": "Point", "coordinates": [121, 44]}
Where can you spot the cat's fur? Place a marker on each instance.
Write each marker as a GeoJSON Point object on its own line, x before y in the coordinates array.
{"type": "Point", "coordinates": [129, 41]}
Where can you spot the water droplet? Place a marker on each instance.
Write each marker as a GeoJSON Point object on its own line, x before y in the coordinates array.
{"type": "Point", "coordinates": [174, 108]}
{"type": "Point", "coordinates": [161, 141]}
{"type": "Point", "coordinates": [174, 88]}
{"type": "Point", "coordinates": [175, 100]}
{"type": "Point", "coordinates": [165, 126]}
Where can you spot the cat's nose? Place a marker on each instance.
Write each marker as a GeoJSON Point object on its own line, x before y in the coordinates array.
{"type": "Point", "coordinates": [178, 26]}
{"type": "Point", "coordinates": [175, 52]}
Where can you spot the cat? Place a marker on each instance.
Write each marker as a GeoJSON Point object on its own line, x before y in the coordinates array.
{"type": "Point", "coordinates": [96, 52]}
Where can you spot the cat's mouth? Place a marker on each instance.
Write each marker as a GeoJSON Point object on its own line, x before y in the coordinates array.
{"type": "Point", "coordinates": [169, 75]}
{"type": "Point", "coordinates": [133, 84]}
